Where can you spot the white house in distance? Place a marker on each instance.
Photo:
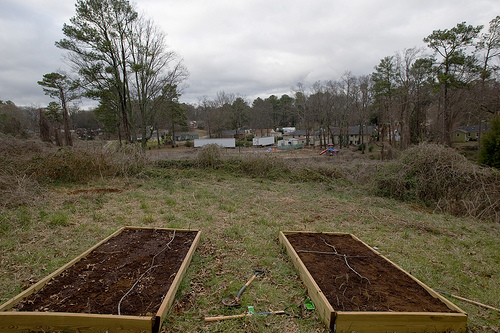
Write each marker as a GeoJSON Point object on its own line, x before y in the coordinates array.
{"type": "Point", "coordinates": [225, 143]}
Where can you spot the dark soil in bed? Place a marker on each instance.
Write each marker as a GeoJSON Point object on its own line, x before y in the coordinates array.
{"type": "Point", "coordinates": [361, 280]}
{"type": "Point", "coordinates": [132, 271]}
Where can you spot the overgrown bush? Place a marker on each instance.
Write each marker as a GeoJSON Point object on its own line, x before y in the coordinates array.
{"type": "Point", "coordinates": [443, 179]}
{"type": "Point", "coordinates": [80, 165]}
{"type": "Point", "coordinates": [490, 145]}
{"type": "Point", "coordinates": [18, 189]}
{"type": "Point", "coordinates": [25, 165]}
{"type": "Point", "coordinates": [210, 156]}
{"type": "Point", "coordinates": [317, 173]}
{"type": "Point", "coordinates": [16, 186]}
{"type": "Point", "coordinates": [258, 166]}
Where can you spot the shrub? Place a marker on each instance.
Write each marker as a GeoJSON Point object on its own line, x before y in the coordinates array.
{"type": "Point", "coordinates": [258, 166]}
{"type": "Point", "coordinates": [80, 165]}
{"type": "Point", "coordinates": [16, 189]}
{"type": "Point", "coordinates": [490, 145]}
{"type": "Point", "coordinates": [210, 156]}
{"type": "Point", "coordinates": [443, 179]}
{"type": "Point", "coordinates": [26, 164]}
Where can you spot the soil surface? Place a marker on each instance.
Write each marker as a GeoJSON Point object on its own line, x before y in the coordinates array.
{"type": "Point", "coordinates": [132, 271]}
{"type": "Point", "coordinates": [361, 280]}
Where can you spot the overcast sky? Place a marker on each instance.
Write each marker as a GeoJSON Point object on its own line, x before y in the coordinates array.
{"type": "Point", "coordinates": [254, 48]}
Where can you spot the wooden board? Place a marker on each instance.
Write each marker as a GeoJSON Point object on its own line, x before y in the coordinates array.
{"type": "Point", "coordinates": [12, 321]}
{"type": "Point", "coordinates": [374, 322]}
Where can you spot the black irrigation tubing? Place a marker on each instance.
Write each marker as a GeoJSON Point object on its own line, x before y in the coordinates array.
{"type": "Point", "coordinates": [149, 269]}
{"type": "Point", "coordinates": [340, 255]}
{"type": "Point", "coordinates": [345, 259]}
{"type": "Point", "coordinates": [332, 253]}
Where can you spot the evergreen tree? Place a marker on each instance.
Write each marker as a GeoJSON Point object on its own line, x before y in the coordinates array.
{"type": "Point", "coordinates": [490, 145]}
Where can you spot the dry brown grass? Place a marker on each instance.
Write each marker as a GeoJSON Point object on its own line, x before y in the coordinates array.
{"type": "Point", "coordinates": [17, 187]}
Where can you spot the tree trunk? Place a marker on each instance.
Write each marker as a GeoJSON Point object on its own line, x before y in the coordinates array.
{"type": "Point", "coordinates": [362, 138]}
{"type": "Point", "coordinates": [57, 136]}
{"type": "Point", "coordinates": [67, 130]}
{"type": "Point", "coordinates": [44, 127]}
{"type": "Point", "coordinates": [119, 133]}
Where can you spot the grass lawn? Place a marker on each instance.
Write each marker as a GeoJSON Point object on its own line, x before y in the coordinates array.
{"type": "Point", "coordinates": [240, 218]}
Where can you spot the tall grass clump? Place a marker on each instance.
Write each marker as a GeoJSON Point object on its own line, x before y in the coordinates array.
{"type": "Point", "coordinates": [443, 179]}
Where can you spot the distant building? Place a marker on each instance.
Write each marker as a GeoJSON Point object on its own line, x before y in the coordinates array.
{"type": "Point", "coordinates": [239, 134]}
{"type": "Point", "coordinates": [467, 133]}
{"type": "Point", "coordinates": [351, 135]}
{"type": "Point", "coordinates": [354, 133]}
{"type": "Point", "coordinates": [266, 132]}
{"type": "Point", "coordinates": [186, 136]}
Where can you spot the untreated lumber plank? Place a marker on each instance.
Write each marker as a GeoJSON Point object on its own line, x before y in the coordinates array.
{"type": "Point", "coordinates": [73, 322]}
{"type": "Point", "coordinates": [169, 298]}
{"type": "Point", "coordinates": [375, 322]}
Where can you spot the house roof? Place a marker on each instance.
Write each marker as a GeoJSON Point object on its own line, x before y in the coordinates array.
{"type": "Point", "coordinates": [471, 128]}
{"type": "Point", "coordinates": [296, 133]}
{"type": "Point", "coordinates": [233, 132]}
{"type": "Point", "coordinates": [355, 130]}
{"type": "Point", "coordinates": [187, 133]}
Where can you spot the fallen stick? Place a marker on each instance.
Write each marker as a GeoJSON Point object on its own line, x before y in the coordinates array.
{"type": "Point", "coordinates": [250, 313]}
{"type": "Point", "coordinates": [208, 319]}
{"type": "Point", "coordinates": [468, 300]}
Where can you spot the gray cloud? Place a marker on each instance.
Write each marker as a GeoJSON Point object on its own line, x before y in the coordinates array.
{"type": "Point", "coordinates": [251, 47]}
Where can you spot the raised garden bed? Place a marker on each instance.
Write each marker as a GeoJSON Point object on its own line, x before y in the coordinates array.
{"type": "Point", "coordinates": [356, 289]}
{"type": "Point", "coordinates": [125, 283]}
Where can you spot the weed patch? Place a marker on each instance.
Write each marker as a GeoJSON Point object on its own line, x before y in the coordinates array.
{"type": "Point", "coordinates": [58, 219]}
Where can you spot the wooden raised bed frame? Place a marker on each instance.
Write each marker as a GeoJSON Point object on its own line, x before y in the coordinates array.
{"type": "Point", "coordinates": [374, 322]}
{"type": "Point", "coordinates": [11, 321]}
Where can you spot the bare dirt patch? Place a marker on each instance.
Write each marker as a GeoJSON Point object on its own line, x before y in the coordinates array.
{"type": "Point", "coordinates": [361, 280]}
{"type": "Point", "coordinates": [130, 274]}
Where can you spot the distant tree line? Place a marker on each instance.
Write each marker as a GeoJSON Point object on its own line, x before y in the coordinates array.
{"type": "Point", "coordinates": [17, 121]}
{"type": "Point", "coordinates": [416, 94]}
